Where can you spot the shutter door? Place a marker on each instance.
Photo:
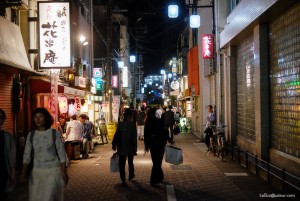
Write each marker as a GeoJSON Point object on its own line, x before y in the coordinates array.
{"type": "Point", "coordinates": [284, 41]}
{"type": "Point", "coordinates": [245, 90]}
{"type": "Point", "coordinates": [6, 80]}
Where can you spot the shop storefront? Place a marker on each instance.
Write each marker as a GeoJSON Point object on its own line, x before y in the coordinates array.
{"type": "Point", "coordinates": [284, 38]}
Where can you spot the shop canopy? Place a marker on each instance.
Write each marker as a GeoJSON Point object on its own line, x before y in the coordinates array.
{"type": "Point", "coordinates": [12, 49]}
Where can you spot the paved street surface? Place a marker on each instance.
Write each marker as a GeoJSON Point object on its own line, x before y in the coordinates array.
{"type": "Point", "coordinates": [200, 177]}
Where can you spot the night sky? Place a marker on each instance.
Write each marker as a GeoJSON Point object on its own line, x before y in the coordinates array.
{"type": "Point", "coordinates": [160, 40]}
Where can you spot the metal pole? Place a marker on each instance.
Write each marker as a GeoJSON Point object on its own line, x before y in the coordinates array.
{"type": "Point", "coordinates": [195, 31]}
{"type": "Point", "coordinates": [108, 60]}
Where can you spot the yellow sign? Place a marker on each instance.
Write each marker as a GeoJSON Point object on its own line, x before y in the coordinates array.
{"type": "Point", "coordinates": [111, 130]}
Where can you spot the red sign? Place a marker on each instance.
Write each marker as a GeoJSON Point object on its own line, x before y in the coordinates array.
{"type": "Point", "coordinates": [114, 81]}
{"type": "Point", "coordinates": [207, 46]}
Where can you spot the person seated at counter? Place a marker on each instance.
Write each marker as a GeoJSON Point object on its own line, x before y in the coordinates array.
{"type": "Point", "coordinates": [74, 134]}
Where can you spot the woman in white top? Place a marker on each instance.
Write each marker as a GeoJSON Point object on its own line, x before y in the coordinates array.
{"type": "Point", "coordinates": [74, 130]}
{"type": "Point", "coordinates": [49, 174]}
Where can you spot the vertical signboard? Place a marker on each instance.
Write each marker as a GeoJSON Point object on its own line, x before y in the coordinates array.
{"type": "Point", "coordinates": [54, 35]}
{"type": "Point", "coordinates": [207, 46]}
{"type": "Point", "coordinates": [125, 77]}
{"type": "Point", "coordinates": [114, 81]}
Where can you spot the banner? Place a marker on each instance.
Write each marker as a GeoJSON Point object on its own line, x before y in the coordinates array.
{"type": "Point", "coordinates": [54, 34]}
{"type": "Point", "coordinates": [54, 97]}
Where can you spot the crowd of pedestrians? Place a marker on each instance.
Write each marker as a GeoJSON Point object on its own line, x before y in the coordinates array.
{"type": "Point", "coordinates": [45, 158]}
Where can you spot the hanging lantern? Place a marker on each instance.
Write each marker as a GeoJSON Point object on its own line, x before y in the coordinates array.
{"type": "Point", "coordinates": [63, 104]}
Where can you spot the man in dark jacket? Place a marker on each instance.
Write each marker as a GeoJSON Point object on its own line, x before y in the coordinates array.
{"type": "Point", "coordinates": [125, 142]}
{"type": "Point", "coordinates": [169, 121]}
{"type": "Point", "coordinates": [7, 159]}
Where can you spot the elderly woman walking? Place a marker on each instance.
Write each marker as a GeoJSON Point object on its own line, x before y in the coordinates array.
{"type": "Point", "coordinates": [45, 147]}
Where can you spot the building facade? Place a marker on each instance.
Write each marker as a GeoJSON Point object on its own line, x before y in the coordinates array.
{"type": "Point", "coordinates": [257, 78]}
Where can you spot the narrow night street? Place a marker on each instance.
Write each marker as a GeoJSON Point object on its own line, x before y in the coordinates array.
{"type": "Point", "coordinates": [200, 177]}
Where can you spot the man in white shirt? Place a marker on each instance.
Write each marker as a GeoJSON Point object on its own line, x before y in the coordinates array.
{"type": "Point", "coordinates": [74, 130]}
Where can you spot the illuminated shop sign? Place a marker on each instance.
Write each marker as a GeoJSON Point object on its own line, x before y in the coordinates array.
{"type": "Point", "coordinates": [207, 46]}
{"type": "Point", "coordinates": [114, 81]}
{"type": "Point", "coordinates": [98, 73]}
{"type": "Point", "coordinates": [125, 77]}
{"type": "Point", "coordinates": [54, 35]}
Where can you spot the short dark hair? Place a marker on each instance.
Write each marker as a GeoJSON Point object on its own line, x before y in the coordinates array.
{"type": "Point", "coordinates": [142, 109]}
{"type": "Point", "coordinates": [48, 118]}
{"type": "Point", "coordinates": [74, 117]}
{"type": "Point", "coordinates": [210, 107]}
{"type": "Point", "coordinates": [127, 113]}
{"type": "Point", "coordinates": [3, 116]}
{"type": "Point", "coordinates": [170, 107]}
{"type": "Point", "coordinates": [83, 116]}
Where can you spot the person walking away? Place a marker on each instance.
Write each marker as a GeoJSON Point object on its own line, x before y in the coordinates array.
{"type": "Point", "coordinates": [140, 123]}
{"type": "Point", "coordinates": [210, 121]}
{"type": "Point", "coordinates": [169, 121]}
{"type": "Point", "coordinates": [156, 138]}
{"type": "Point", "coordinates": [7, 159]}
{"type": "Point", "coordinates": [159, 113]}
{"type": "Point", "coordinates": [125, 142]}
{"type": "Point", "coordinates": [49, 173]}
{"type": "Point", "coordinates": [87, 128]}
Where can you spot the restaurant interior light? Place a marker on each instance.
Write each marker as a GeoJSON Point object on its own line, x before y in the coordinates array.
{"type": "Point", "coordinates": [82, 38]}
{"type": "Point", "coordinates": [173, 11]}
{"type": "Point", "coordinates": [132, 59]}
{"type": "Point", "coordinates": [195, 21]}
{"type": "Point", "coordinates": [121, 64]}
{"type": "Point", "coordinates": [85, 43]}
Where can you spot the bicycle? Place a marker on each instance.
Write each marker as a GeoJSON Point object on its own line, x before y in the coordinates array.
{"type": "Point", "coordinates": [217, 142]}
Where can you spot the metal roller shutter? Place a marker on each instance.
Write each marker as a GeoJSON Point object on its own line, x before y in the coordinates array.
{"type": "Point", "coordinates": [245, 89]}
{"type": "Point", "coordinates": [6, 80]}
{"type": "Point", "coordinates": [285, 82]}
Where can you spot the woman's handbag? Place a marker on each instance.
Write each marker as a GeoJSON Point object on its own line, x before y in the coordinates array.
{"type": "Point", "coordinates": [114, 163]}
{"type": "Point", "coordinates": [174, 155]}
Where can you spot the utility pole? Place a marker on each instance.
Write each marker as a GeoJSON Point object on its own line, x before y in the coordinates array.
{"type": "Point", "coordinates": [108, 59]}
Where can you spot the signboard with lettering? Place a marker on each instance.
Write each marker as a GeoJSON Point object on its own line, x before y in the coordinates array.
{"type": "Point", "coordinates": [125, 76]}
{"type": "Point", "coordinates": [207, 46]}
{"type": "Point", "coordinates": [98, 73]}
{"type": "Point", "coordinates": [54, 35]}
{"type": "Point", "coordinates": [114, 81]}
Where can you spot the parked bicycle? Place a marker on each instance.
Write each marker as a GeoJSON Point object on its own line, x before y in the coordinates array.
{"type": "Point", "coordinates": [217, 141]}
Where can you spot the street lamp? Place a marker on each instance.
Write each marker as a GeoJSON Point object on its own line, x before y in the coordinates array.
{"type": "Point", "coordinates": [194, 18]}
{"type": "Point", "coordinates": [162, 72]}
{"type": "Point", "coordinates": [170, 75]}
{"type": "Point", "coordinates": [173, 11]}
{"type": "Point", "coordinates": [195, 21]}
{"type": "Point", "coordinates": [132, 59]}
{"type": "Point", "coordinates": [121, 64]}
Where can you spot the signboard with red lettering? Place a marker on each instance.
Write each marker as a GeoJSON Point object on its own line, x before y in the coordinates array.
{"type": "Point", "coordinates": [54, 35]}
{"type": "Point", "coordinates": [207, 46]}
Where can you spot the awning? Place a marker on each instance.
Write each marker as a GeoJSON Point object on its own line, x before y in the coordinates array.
{"type": "Point", "coordinates": [42, 85]}
{"type": "Point", "coordinates": [12, 49]}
